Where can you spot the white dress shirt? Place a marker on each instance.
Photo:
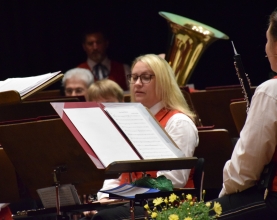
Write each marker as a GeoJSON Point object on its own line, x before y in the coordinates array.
{"type": "Point", "coordinates": [185, 134]}
{"type": "Point", "coordinates": [107, 63]}
{"type": "Point", "coordinates": [257, 142]}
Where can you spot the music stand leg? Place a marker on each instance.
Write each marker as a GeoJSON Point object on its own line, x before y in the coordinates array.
{"type": "Point", "coordinates": [57, 200]}
{"type": "Point", "coordinates": [62, 217]}
{"type": "Point", "coordinates": [57, 174]}
{"type": "Point", "coordinates": [132, 213]}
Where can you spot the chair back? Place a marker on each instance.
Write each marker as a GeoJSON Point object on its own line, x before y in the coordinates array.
{"type": "Point", "coordinates": [238, 111]}
{"type": "Point", "coordinates": [213, 107]}
{"type": "Point", "coordinates": [215, 145]}
{"type": "Point", "coordinates": [198, 177]}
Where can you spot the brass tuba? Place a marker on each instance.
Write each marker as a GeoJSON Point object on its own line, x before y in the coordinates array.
{"type": "Point", "coordinates": [188, 41]}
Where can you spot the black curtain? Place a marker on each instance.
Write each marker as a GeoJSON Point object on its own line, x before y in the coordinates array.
{"type": "Point", "coordinates": [45, 36]}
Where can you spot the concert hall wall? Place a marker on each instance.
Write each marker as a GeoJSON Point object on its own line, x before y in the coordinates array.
{"type": "Point", "coordinates": [45, 36]}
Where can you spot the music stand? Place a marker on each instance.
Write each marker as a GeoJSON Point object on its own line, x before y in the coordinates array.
{"type": "Point", "coordinates": [12, 96]}
{"type": "Point", "coordinates": [27, 110]}
{"type": "Point", "coordinates": [8, 182]}
{"type": "Point", "coordinates": [41, 146]}
{"type": "Point", "coordinates": [9, 97]}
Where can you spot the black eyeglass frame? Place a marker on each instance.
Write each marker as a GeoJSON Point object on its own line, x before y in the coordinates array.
{"type": "Point", "coordinates": [274, 55]}
{"type": "Point", "coordinates": [129, 77]}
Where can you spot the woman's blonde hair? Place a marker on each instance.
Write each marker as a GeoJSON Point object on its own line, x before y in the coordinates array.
{"type": "Point", "coordinates": [105, 88]}
{"type": "Point", "coordinates": [167, 88]}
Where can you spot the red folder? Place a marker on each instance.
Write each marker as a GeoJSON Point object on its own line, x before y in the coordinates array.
{"type": "Point", "coordinates": [59, 106]}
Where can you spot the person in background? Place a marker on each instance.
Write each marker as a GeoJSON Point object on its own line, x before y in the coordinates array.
{"type": "Point", "coordinates": [152, 83]}
{"type": "Point", "coordinates": [95, 44]}
{"type": "Point", "coordinates": [247, 192]}
{"type": "Point", "coordinates": [105, 91]}
{"type": "Point", "coordinates": [76, 82]}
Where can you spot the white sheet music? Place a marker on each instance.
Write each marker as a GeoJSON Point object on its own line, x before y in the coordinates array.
{"type": "Point", "coordinates": [25, 84]}
{"type": "Point", "coordinates": [102, 136]}
{"type": "Point", "coordinates": [67, 193]}
{"type": "Point", "coordinates": [146, 140]}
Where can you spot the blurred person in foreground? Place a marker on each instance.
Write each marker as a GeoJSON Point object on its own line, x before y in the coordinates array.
{"type": "Point", "coordinates": [247, 192]}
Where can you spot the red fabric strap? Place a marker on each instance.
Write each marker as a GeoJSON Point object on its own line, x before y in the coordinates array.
{"type": "Point", "coordinates": [274, 184]}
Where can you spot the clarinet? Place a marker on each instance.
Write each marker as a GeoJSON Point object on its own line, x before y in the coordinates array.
{"type": "Point", "coordinates": [243, 78]}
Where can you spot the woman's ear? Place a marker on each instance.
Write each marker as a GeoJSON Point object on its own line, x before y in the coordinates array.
{"type": "Point", "coordinates": [162, 55]}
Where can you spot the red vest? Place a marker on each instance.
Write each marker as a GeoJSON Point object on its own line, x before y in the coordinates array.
{"type": "Point", "coordinates": [274, 183]}
{"type": "Point", "coordinates": [116, 74]}
{"type": "Point", "coordinates": [162, 117]}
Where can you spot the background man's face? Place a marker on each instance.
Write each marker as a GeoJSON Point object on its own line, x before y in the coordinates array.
{"type": "Point", "coordinates": [95, 46]}
{"type": "Point", "coordinates": [76, 87]}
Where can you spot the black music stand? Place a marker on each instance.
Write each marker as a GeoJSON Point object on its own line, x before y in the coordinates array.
{"type": "Point", "coordinates": [30, 110]}
{"type": "Point", "coordinates": [8, 182]}
{"type": "Point", "coordinates": [42, 146]}
{"type": "Point", "coordinates": [12, 96]}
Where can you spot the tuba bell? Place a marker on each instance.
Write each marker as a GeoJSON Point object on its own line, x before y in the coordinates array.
{"type": "Point", "coordinates": [188, 41]}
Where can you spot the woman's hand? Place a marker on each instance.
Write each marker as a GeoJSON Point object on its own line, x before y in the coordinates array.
{"type": "Point", "coordinates": [103, 200]}
{"type": "Point", "coordinates": [90, 213]}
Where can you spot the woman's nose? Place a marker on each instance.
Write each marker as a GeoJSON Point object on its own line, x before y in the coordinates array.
{"type": "Point", "coordinates": [138, 81]}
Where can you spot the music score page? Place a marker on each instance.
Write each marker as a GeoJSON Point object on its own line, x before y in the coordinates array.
{"type": "Point", "coordinates": [101, 135]}
{"type": "Point", "coordinates": [25, 84]}
{"type": "Point", "coordinates": [67, 194]}
{"type": "Point", "coordinates": [145, 138]}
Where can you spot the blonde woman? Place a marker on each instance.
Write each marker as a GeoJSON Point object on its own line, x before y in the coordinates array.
{"type": "Point", "coordinates": [105, 90]}
{"type": "Point", "coordinates": [152, 83]}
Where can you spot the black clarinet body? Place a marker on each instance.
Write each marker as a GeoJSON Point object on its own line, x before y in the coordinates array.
{"type": "Point", "coordinates": [243, 78]}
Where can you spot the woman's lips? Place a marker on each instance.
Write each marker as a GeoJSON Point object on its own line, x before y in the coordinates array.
{"type": "Point", "coordinates": [139, 92]}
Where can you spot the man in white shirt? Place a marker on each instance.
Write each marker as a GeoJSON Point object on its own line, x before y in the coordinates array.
{"type": "Point", "coordinates": [245, 193]}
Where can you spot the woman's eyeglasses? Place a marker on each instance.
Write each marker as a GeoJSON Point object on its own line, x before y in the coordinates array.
{"type": "Point", "coordinates": [275, 55]}
{"type": "Point", "coordinates": [144, 78]}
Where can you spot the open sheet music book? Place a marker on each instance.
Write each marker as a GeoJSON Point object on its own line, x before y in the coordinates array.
{"type": "Point", "coordinates": [117, 132]}
{"type": "Point", "coordinates": [128, 191]}
{"type": "Point", "coordinates": [67, 194]}
{"type": "Point", "coordinates": [26, 84]}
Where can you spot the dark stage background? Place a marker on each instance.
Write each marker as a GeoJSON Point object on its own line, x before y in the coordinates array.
{"type": "Point", "coordinates": [45, 36]}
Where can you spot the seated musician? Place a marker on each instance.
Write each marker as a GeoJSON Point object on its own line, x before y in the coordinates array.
{"type": "Point", "coordinates": [245, 193]}
{"type": "Point", "coordinates": [105, 90]}
{"type": "Point", "coordinates": [76, 82]}
{"type": "Point", "coordinates": [153, 84]}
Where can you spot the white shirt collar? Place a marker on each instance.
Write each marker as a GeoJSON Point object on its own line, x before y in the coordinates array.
{"type": "Point", "coordinates": [156, 108]}
{"type": "Point", "coordinates": [106, 62]}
